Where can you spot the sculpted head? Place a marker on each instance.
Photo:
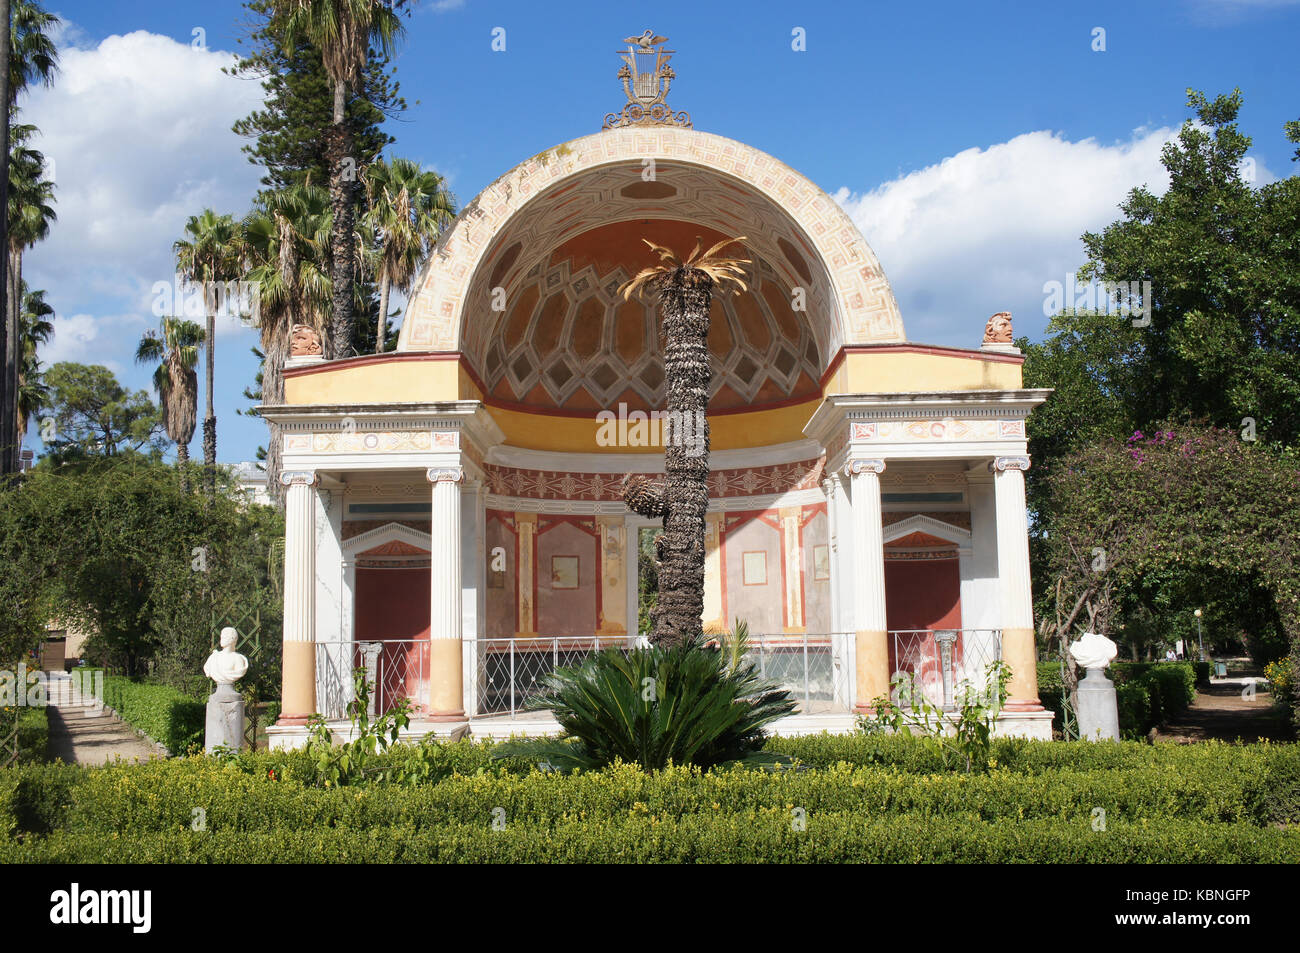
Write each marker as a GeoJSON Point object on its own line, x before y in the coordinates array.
{"type": "Point", "coordinates": [229, 636]}
{"type": "Point", "coordinates": [998, 329]}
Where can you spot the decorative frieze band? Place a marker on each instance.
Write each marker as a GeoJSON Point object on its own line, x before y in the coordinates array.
{"type": "Point", "coordinates": [946, 428]}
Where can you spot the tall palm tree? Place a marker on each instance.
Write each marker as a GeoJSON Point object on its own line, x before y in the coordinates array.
{"type": "Point", "coordinates": [286, 257]}
{"type": "Point", "coordinates": [35, 327]}
{"type": "Point", "coordinates": [33, 57]}
{"type": "Point", "coordinates": [30, 212]}
{"type": "Point", "coordinates": [685, 290]}
{"type": "Point", "coordinates": [409, 207]}
{"type": "Point", "coordinates": [210, 253]}
{"type": "Point", "coordinates": [343, 31]}
{"type": "Point", "coordinates": [174, 347]}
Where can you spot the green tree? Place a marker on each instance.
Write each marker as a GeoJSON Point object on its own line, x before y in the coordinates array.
{"type": "Point", "coordinates": [343, 31]}
{"type": "Point", "coordinates": [1224, 266]}
{"type": "Point", "coordinates": [95, 416]}
{"type": "Point", "coordinates": [210, 253]}
{"type": "Point", "coordinates": [408, 209]}
{"type": "Point", "coordinates": [174, 347]}
{"type": "Point", "coordinates": [685, 288]}
{"type": "Point", "coordinates": [150, 568]}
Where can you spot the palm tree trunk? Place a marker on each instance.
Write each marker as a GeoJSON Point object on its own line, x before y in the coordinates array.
{"type": "Point", "coordinates": [684, 304]}
{"type": "Point", "coordinates": [273, 395]}
{"type": "Point", "coordinates": [9, 344]}
{"type": "Point", "coordinates": [342, 266]}
{"type": "Point", "coordinates": [210, 416]}
{"type": "Point", "coordinates": [14, 277]}
{"type": "Point", "coordinates": [384, 285]}
{"type": "Point", "coordinates": [182, 464]}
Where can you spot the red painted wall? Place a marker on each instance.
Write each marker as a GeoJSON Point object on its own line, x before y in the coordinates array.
{"type": "Point", "coordinates": [922, 594]}
{"type": "Point", "coordinates": [393, 604]}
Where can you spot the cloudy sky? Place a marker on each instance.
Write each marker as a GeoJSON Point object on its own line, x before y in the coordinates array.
{"type": "Point", "coordinates": [971, 146]}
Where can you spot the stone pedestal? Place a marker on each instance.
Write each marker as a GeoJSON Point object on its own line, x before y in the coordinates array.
{"type": "Point", "coordinates": [225, 724]}
{"type": "Point", "coordinates": [1098, 710]}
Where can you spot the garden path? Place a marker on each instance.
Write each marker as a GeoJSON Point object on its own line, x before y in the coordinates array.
{"type": "Point", "coordinates": [87, 733]}
{"type": "Point", "coordinates": [1225, 712]}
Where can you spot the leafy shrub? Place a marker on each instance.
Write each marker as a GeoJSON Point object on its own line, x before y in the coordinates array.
{"type": "Point", "coordinates": [682, 705]}
{"type": "Point", "coordinates": [164, 714]}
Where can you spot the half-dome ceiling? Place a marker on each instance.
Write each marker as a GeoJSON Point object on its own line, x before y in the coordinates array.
{"type": "Point", "coordinates": [568, 340]}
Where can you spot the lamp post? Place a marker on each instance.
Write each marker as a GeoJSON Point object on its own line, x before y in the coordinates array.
{"type": "Point", "coordinates": [1199, 643]}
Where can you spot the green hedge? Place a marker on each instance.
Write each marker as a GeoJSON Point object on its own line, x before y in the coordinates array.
{"type": "Point", "coordinates": [865, 798]}
{"type": "Point", "coordinates": [757, 837]}
{"type": "Point", "coordinates": [169, 717]}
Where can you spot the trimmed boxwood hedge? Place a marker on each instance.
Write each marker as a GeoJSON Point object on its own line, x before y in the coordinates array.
{"type": "Point", "coordinates": [864, 798]}
{"type": "Point", "coordinates": [169, 717]}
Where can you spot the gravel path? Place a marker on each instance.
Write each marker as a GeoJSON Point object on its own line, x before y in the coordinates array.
{"type": "Point", "coordinates": [82, 733]}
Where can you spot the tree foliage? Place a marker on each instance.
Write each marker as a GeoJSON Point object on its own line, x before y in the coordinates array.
{"type": "Point", "coordinates": [95, 416]}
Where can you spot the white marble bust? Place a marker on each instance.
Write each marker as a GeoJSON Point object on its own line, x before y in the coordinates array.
{"type": "Point", "coordinates": [1093, 650]}
{"type": "Point", "coordinates": [226, 666]}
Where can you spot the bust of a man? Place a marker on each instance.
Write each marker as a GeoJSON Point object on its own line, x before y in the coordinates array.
{"type": "Point", "coordinates": [1093, 650]}
{"type": "Point", "coordinates": [226, 666]}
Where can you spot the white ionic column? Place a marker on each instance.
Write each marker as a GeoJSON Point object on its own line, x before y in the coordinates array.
{"type": "Point", "coordinates": [868, 584]}
{"type": "Point", "coordinates": [298, 694]}
{"type": "Point", "coordinates": [446, 680]}
{"type": "Point", "coordinates": [1016, 596]}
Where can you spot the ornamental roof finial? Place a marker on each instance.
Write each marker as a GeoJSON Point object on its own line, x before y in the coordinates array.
{"type": "Point", "coordinates": [646, 78]}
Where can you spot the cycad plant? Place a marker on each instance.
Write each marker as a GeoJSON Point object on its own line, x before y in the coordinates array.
{"type": "Point", "coordinates": [679, 704]}
{"type": "Point", "coordinates": [174, 347]}
{"type": "Point", "coordinates": [684, 287]}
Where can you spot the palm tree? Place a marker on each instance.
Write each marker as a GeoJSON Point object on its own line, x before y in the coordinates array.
{"type": "Point", "coordinates": [174, 347]}
{"type": "Point", "coordinates": [685, 292]}
{"type": "Point", "coordinates": [286, 258]}
{"type": "Point", "coordinates": [25, 32]}
{"type": "Point", "coordinates": [35, 328]}
{"type": "Point", "coordinates": [343, 31]}
{"type": "Point", "coordinates": [210, 254]}
{"type": "Point", "coordinates": [33, 57]}
{"type": "Point", "coordinates": [409, 207]}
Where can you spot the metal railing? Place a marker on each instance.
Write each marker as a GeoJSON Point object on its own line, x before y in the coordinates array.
{"type": "Point", "coordinates": [944, 662]}
{"type": "Point", "coordinates": [395, 668]}
{"type": "Point", "coordinates": [816, 668]}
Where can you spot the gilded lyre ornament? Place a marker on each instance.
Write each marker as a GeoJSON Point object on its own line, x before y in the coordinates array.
{"type": "Point", "coordinates": [646, 78]}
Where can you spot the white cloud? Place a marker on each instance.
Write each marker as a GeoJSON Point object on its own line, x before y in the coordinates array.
{"type": "Point", "coordinates": [983, 230]}
{"type": "Point", "coordinates": [138, 131]}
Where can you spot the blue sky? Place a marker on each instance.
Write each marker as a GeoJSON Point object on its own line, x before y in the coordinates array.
{"type": "Point", "coordinates": [972, 143]}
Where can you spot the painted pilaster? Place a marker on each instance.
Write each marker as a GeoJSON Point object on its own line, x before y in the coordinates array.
{"type": "Point", "coordinates": [1018, 648]}
{"type": "Point", "coordinates": [526, 527]}
{"type": "Point", "coordinates": [298, 692]}
{"type": "Point", "coordinates": [792, 559]}
{"type": "Point", "coordinates": [446, 622]}
{"type": "Point", "coordinates": [871, 638]}
{"type": "Point", "coordinates": [714, 618]}
{"type": "Point", "coordinates": [335, 656]}
{"type": "Point", "coordinates": [613, 575]}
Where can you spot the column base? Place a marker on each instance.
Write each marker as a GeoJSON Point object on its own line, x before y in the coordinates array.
{"type": "Point", "coordinates": [445, 716]}
{"type": "Point", "coordinates": [291, 721]}
{"type": "Point", "coordinates": [1036, 725]}
{"type": "Point", "coordinates": [1022, 704]}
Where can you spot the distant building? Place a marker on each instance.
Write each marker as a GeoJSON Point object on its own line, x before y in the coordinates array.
{"type": "Point", "coordinates": [252, 481]}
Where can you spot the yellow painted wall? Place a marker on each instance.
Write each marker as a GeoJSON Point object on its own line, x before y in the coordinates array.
{"type": "Point", "coordinates": [378, 383]}
{"type": "Point", "coordinates": [908, 373]}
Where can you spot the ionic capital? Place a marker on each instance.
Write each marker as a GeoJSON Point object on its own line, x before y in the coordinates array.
{"type": "Point", "coordinates": [445, 474]}
{"type": "Point", "coordinates": [1002, 464]}
{"type": "Point", "coordinates": [854, 467]}
{"type": "Point", "coordinates": [298, 477]}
